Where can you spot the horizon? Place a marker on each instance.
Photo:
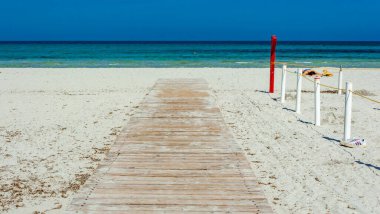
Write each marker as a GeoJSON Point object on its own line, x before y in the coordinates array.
{"type": "Point", "coordinates": [185, 41]}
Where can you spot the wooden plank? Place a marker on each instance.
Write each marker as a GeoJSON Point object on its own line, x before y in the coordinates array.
{"type": "Point", "coordinates": [190, 187]}
{"type": "Point", "coordinates": [214, 193]}
{"type": "Point", "coordinates": [175, 155]}
{"type": "Point", "coordinates": [162, 201]}
{"type": "Point", "coordinates": [168, 209]}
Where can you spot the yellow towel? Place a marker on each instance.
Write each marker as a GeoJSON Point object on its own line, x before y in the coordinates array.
{"type": "Point", "coordinates": [326, 73]}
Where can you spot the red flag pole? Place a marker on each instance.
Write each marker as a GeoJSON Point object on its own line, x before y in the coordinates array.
{"type": "Point", "coordinates": [272, 63]}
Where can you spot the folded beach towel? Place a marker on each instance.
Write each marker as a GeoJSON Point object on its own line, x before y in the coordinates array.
{"type": "Point", "coordinates": [309, 72]}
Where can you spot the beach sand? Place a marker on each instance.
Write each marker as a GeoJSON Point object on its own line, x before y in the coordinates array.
{"type": "Point", "coordinates": [56, 125]}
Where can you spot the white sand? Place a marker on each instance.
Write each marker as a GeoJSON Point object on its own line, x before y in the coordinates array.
{"type": "Point", "coordinates": [56, 125]}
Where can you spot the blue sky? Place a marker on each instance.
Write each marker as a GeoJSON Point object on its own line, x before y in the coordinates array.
{"type": "Point", "coordinates": [346, 20]}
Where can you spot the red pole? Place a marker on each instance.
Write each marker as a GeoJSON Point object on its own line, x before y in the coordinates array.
{"type": "Point", "coordinates": [272, 63]}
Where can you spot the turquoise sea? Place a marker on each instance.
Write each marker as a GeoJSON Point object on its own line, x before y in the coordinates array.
{"type": "Point", "coordinates": [186, 54]}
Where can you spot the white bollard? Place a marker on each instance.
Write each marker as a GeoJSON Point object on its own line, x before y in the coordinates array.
{"type": "Point", "coordinates": [317, 98]}
{"type": "Point", "coordinates": [347, 112]}
{"type": "Point", "coordinates": [283, 84]}
{"type": "Point", "coordinates": [299, 90]}
{"type": "Point", "coordinates": [340, 80]}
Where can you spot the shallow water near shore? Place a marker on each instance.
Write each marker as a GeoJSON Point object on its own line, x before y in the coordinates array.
{"type": "Point", "coordinates": [186, 54]}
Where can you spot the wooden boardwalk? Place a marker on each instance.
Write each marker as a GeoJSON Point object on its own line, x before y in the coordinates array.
{"type": "Point", "coordinates": [176, 155]}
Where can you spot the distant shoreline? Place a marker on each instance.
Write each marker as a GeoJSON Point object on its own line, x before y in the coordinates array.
{"type": "Point", "coordinates": [169, 68]}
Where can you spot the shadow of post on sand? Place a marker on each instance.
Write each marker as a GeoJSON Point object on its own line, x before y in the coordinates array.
{"type": "Point", "coordinates": [331, 139]}
{"type": "Point", "coordinates": [288, 109]}
{"type": "Point", "coordinates": [368, 165]}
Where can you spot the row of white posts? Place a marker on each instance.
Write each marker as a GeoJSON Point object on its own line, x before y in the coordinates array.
{"type": "Point", "coordinates": [317, 98]}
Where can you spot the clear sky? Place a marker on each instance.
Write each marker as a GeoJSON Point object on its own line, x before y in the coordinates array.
{"type": "Point", "coordinates": [122, 20]}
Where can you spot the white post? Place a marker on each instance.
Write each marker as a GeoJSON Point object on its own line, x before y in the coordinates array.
{"type": "Point", "coordinates": [347, 113]}
{"type": "Point", "coordinates": [317, 96]}
{"type": "Point", "coordinates": [283, 84]}
{"type": "Point", "coordinates": [340, 80]}
{"type": "Point", "coordinates": [299, 90]}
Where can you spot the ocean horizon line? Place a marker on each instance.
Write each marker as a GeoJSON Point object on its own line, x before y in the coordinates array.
{"type": "Point", "coordinates": [180, 41]}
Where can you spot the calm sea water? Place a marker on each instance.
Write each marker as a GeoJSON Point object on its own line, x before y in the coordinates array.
{"type": "Point", "coordinates": [186, 54]}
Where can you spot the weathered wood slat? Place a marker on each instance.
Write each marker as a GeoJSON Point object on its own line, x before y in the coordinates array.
{"type": "Point", "coordinates": [213, 186]}
{"type": "Point", "coordinates": [214, 193]}
{"type": "Point", "coordinates": [162, 201]}
{"type": "Point", "coordinates": [169, 209]}
{"type": "Point", "coordinates": [176, 155]}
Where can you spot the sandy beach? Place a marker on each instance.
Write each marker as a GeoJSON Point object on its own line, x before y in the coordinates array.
{"type": "Point", "coordinates": [57, 124]}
